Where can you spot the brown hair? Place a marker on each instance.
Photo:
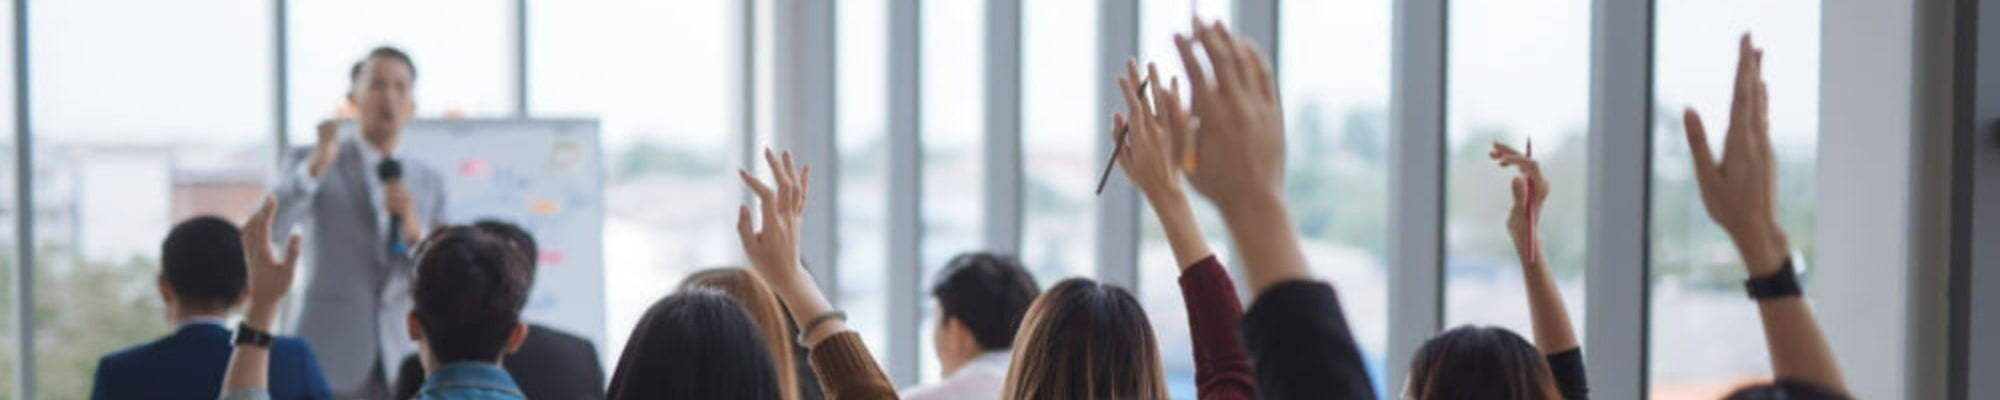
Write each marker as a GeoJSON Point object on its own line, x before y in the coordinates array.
{"type": "Point", "coordinates": [757, 299]}
{"type": "Point", "coordinates": [1480, 362]}
{"type": "Point", "coordinates": [1085, 340]}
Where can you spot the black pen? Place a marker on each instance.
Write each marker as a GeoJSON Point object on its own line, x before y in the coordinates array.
{"type": "Point", "coordinates": [1119, 145]}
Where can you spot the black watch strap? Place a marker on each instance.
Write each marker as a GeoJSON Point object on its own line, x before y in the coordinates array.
{"type": "Point", "coordinates": [1781, 284]}
{"type": "Point", "coordinates": [248, 336]}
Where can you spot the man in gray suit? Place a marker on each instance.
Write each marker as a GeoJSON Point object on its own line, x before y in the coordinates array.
{"type": "Point", "coordinates": [362, 211]}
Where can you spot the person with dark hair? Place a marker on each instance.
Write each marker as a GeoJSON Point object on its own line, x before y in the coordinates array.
{"type": "Point", "coordinates": [980, 299]}
{"type": "Point", "coordinates": [750, 291]}
{"type": "Point", "coordinates": [470, 287]}
{"type": "Point", "coordinates": [551, 364]}
{"type": "Point", "coordinates": [1083, 339]}
{"type": "Point", "coordinates": [696, 344]}
{"type": "Point", "coordinates": [1146, 130]}
{"type": "Point", "coordinates": [1739, 192]}
{"type": "Point", "coordinates": [364, 208]}
{"type": "Point", "coordinates": [201, 280]}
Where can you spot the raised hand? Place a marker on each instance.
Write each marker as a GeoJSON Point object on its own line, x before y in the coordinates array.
{"type": "Point", "coordinates": [1150, 159]}
{"type": "Point", "coordinates": [774, 250]}
{"type": "Point", "coordinates": [1530, 191]}
{"type": "Point", "coordinates": [270, 277]}
{"type": "Point", "coordinates": [1239, 144]}
{"type": "Point", "coordinates": [1740, 191]}
{"type": "Point", "coordinates": [327, 148]}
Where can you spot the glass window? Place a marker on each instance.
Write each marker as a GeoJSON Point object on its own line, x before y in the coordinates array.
{"type": "Point", "coordinates": [1159, 277]}
{"type": "Point", "coordinates": [1699, 318]}
{"type": "Point", "coordinates": [463, 51]}
{"type": "Point", "coordinates": [863, 140]}
{"type": "Point", "coordinates": [135, 131]}
{"type": "Point", "coordinates": [1334, 74]}
{"type": "Point", "coordinates": [1514, 82]}
{"type": "Point", "coordinates": [7, 210]}
{"type": "Point", "coordinates": [669, 116]}
{"type": "Point", "coordinates": [1059, 130]}
{"type": "Point", "coordinates": [954, 108]}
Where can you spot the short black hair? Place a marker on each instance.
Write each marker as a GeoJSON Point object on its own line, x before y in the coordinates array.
{"type": "Point", "coordinates": [389, 52]}
{"type": "Point", "coordinates": [1786, 389]}
{"type": "Point", "coordinates": [469, 291]}
{"type": "Point", "coordinates": [519, 238]}
{"type": "Point", "coordinates": [988, 293]}
{"type": "Point", "coordinates": [696, 344]}
{"type": "Point", "coordinates": [202, 260]}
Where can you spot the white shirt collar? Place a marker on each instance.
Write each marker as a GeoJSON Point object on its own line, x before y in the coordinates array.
{"type": "Point", "coordinates": [216, 320]}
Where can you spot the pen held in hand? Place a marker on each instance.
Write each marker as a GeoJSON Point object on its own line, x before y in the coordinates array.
{"type": "Point", "coordinates": [1118, 144]}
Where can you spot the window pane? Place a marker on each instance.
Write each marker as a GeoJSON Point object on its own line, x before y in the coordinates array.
{"type": "Point", "coordinates": [1702, 328]}
{"type": "Point", "coordinates": [668, 113]}
{"type": "Point", "coordinates": [7, 209]}
{"type": "Point", "coordinates": [1159, 277]}
{"type": "Point", "coordinates": [863, 140]}
{"type": "Point", "coordinates": [463, 51]}
{"type": "Point", "coordinates": [1514, 82]}
{"type": "Point", "coordinates": [135, 132]}
{"type": "Point", "coordinates": [1334, 72]}
{"type": "Point", "coordinates": [1059, 129]}
{"type": "Point", "coordinates": [954, 106]}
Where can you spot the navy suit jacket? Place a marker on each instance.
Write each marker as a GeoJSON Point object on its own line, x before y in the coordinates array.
{"type": "Point", "coordinates": [189, 365]}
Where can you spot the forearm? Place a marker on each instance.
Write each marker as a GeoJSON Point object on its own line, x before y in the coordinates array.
{"type": "Point", "coordinates": [1553, 332]}
{"type": "Point", "coordinates": [1262, 231]}
{"type": "Point", "coordinates": [1797, 347]}
{"type": "Point", "coordinates": [1183, 234]}
{"type": "Point", "coordinates": [249, 366]}
{"type": "Point", "coordinates": [805, 301]}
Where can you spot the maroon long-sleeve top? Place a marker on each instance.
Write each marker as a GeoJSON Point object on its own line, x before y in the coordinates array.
{"type": "Point", "coordinates": [1222, 365]}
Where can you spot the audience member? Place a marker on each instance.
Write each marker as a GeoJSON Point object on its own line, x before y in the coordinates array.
{"type": "Point", "coordinates": [980, 299]}
{"type": "Point", "coordinates": [845, 369]}
{"type": "Point", "coordinates": [1222, 365]}
{"type": "Point", "coordinates": [696, 344]}
{"type": "Point", "coordinates": [1740, 192]}
{"type": "Point", "coordinates": [750, 291]}
{"type": "Point", "coordinates": [551, 364]}
{"type": "Point", "coordinates": [469, 289]}
{"type": "Point", "coordinates": [201, 280]}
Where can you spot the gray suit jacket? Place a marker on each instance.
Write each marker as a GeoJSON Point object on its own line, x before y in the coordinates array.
{"type": "Point", "coordinates": [356, 291]}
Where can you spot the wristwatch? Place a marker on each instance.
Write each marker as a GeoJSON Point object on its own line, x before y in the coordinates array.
{"type": "Point", "coordinates": [1781, 284]}
{"type": "Point", "coordinates": [248, 336]}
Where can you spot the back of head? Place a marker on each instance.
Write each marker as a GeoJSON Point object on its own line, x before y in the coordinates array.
{"type": "Point", "coordinates": [1785, 389]}
{"type": "Point", "coordinates": [517, 238]}
{"type": "Point", "coordinates": [988, 293]}
{"type": "Point", "coordinates": [1479, 362]}
{"type": "Point", "coordinates": [1085, 340]}
{"type": "Point", "coordinates": [748, 289]}
{"type": "Point", "coordinates": [696, 344]}
{"type": "Point", "coordinates": [468, 295]}
{"type": "Point", "coordinates": [202, 261]}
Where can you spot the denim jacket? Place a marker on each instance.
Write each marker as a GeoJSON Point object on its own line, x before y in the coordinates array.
{"type": "Point", "coordinates": [463, 380]}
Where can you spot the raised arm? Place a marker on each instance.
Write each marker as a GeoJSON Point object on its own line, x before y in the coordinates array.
{"type": "Point", "coordinates": [1740, 193]}
{"type": "Point", "coordinates": [845, 369]}
{"type": "Point", "coordinates": [270, 277]}
{"type": "Point", "coordinates": [1297, 336]}
{"type": "Point", "coordinates": [1553, 333]}
{"type": "Point", "coordinates": [297, 183]}
{"type": "Point", "coordinates": [1222, 365]}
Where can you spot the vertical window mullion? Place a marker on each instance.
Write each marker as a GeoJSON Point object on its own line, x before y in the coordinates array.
{"type": "Point", "coordinates": [1118, 207]}
{"type": "Point", "coordinates": [1620, 160]}
{"type": "Point", "coordinates": [1003, 127]}
{"type": "Point", "coordinates": [905, 187]}
{"type": "Point", "coordinates": [1416, 184]}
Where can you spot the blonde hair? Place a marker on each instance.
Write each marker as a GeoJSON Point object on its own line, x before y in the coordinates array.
{"type": "Point", "coordinates": [1085, 340]}
{"type": "Point", "coordinates": [749, 290]}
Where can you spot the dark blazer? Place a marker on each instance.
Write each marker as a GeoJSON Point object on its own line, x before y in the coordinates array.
{"type": "Point", "coordinates": [189, 365]}
{"type": "Point", "coordinates": [551, 365]}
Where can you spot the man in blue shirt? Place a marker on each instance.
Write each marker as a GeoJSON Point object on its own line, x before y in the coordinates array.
{"type": "Point", "coordinates": [201, 280]}
{"type": "Point", "coordinates": [468, 293]}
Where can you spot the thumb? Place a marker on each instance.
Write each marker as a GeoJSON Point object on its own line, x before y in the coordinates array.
{"type": "Point", "coordinates": [292, 251]}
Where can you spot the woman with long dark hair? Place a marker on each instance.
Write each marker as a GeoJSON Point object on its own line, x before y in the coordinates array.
{"type": "Point", "coordinates": [695, 344]}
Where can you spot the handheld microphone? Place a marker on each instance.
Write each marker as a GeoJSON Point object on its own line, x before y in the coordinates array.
{"type": "Point", "coordinates": [391, 172]}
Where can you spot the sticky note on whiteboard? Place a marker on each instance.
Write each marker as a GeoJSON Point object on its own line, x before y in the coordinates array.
{"type": "Point", "coordinates": [544, 206]}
